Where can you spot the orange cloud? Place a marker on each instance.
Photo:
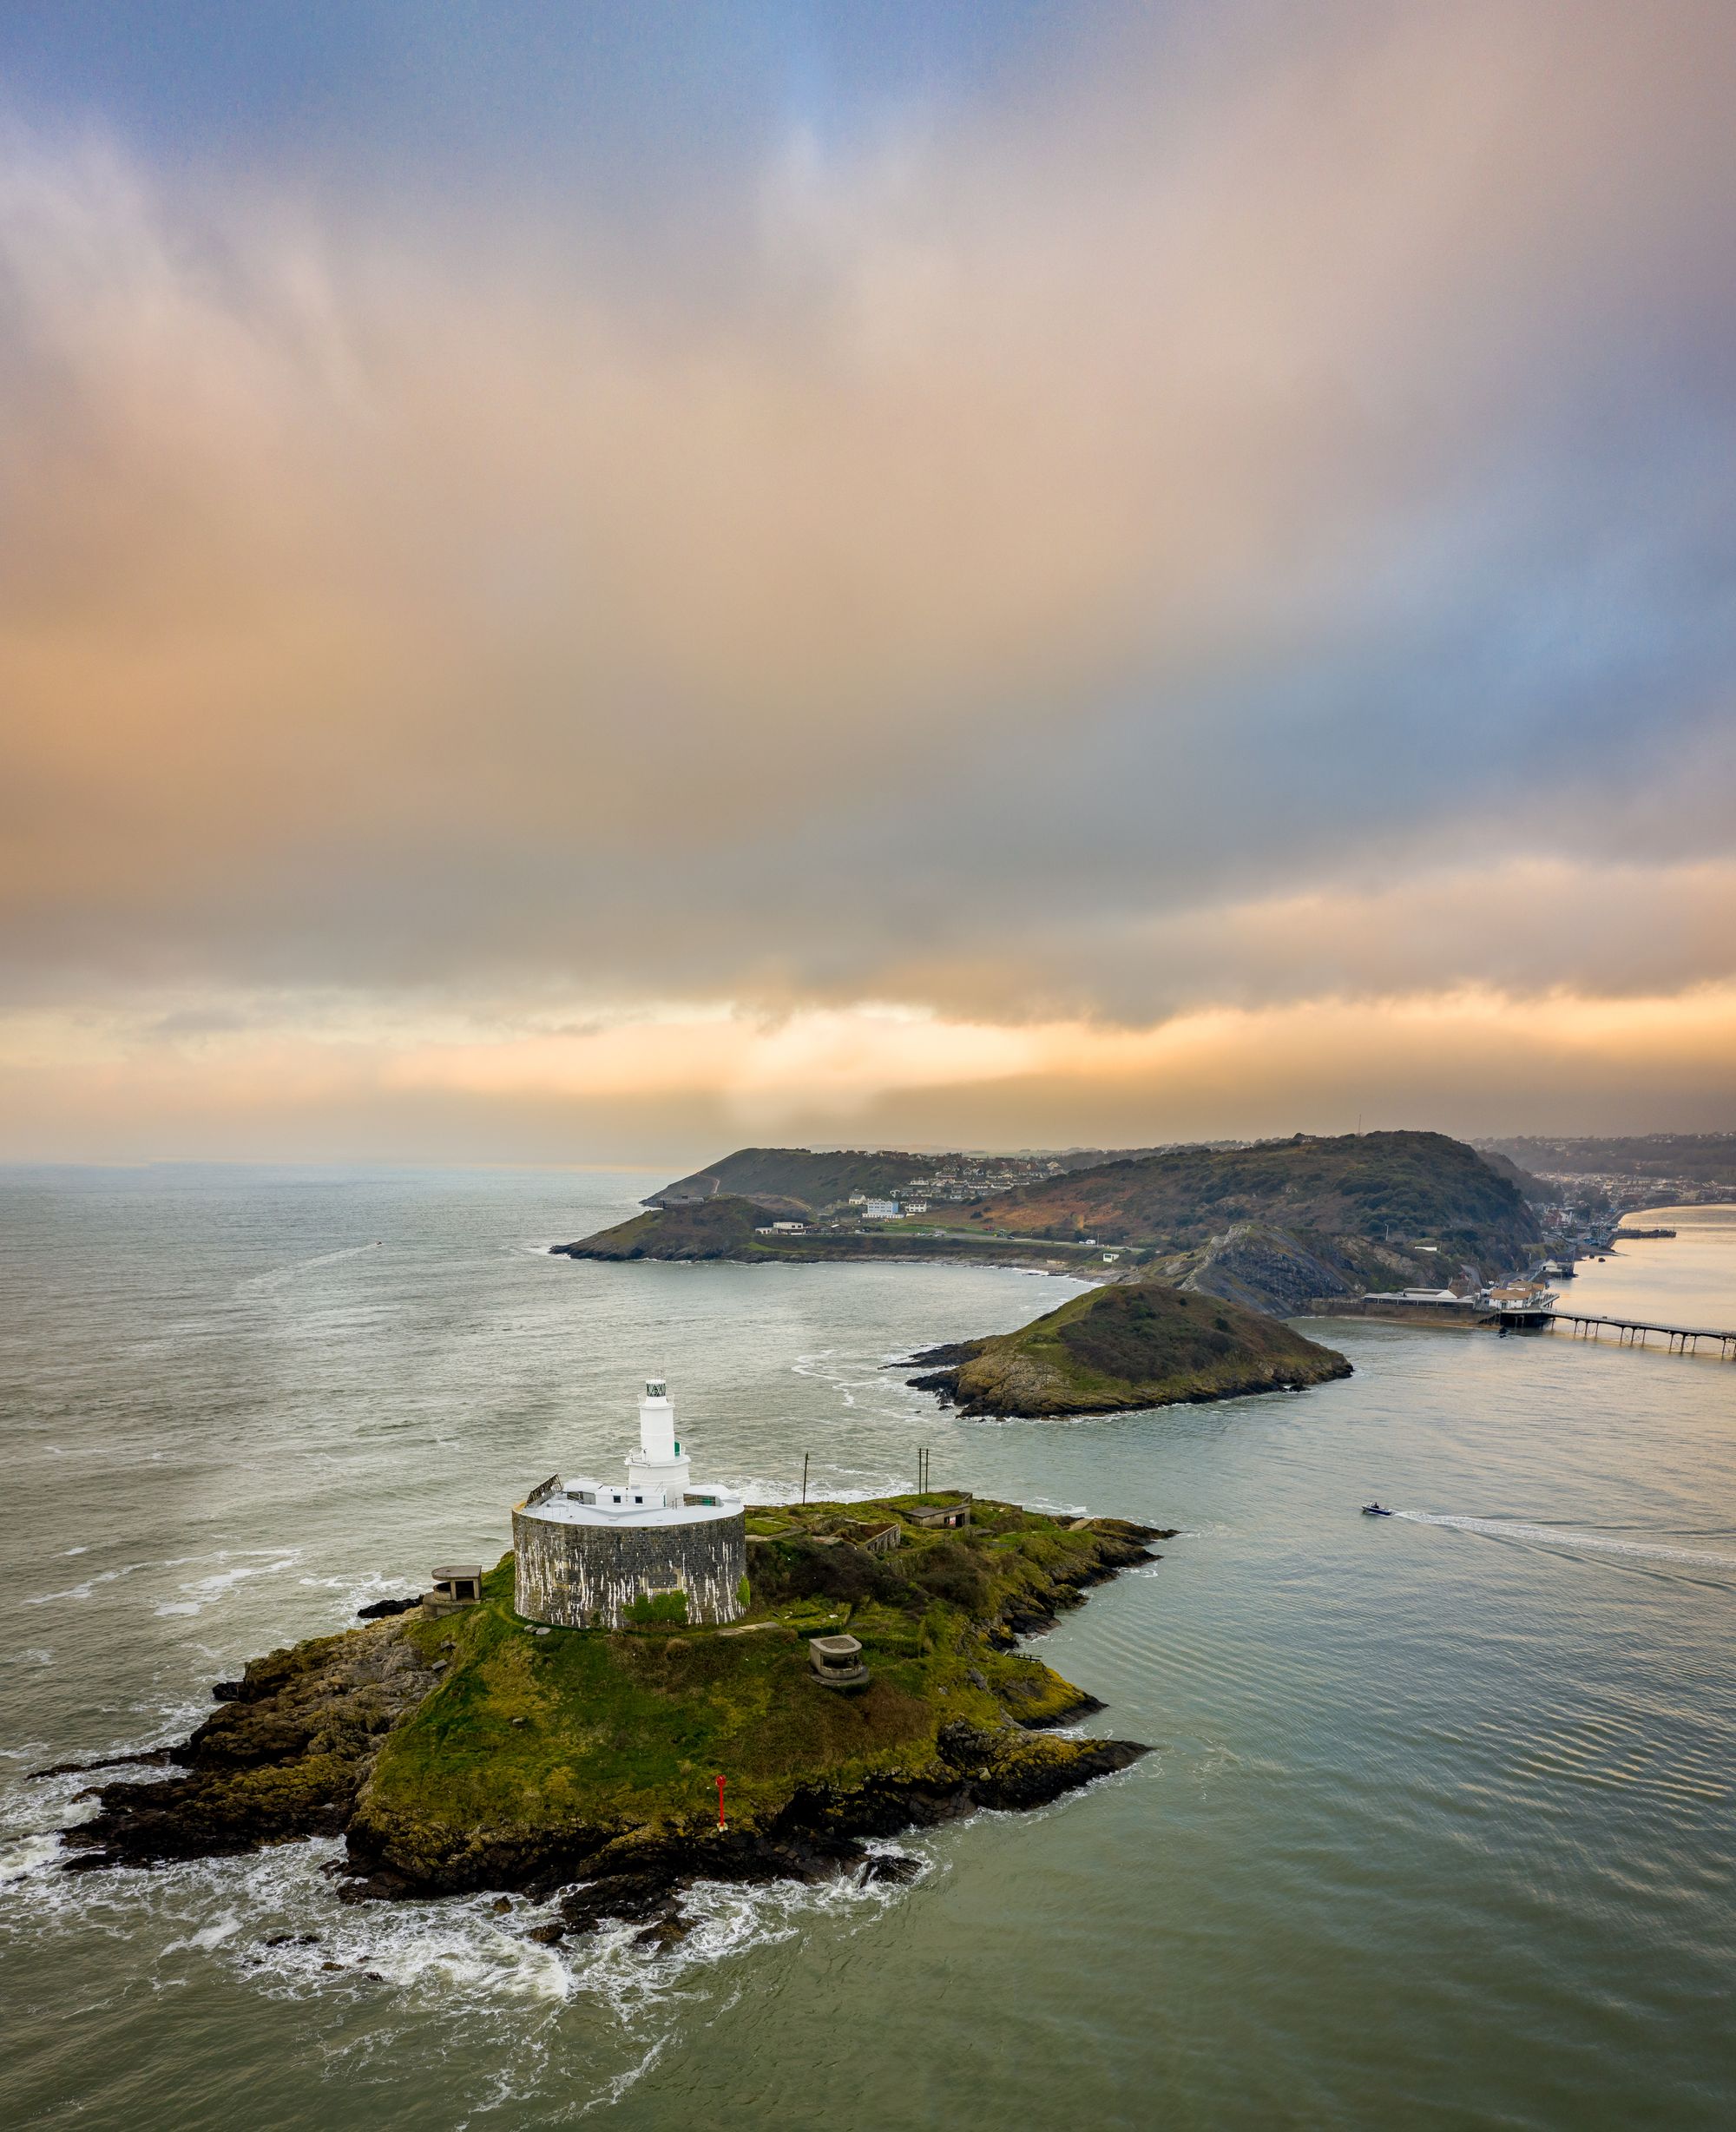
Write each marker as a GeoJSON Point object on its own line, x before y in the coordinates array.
{"type": "Point", "coordinates": [1051, 615]}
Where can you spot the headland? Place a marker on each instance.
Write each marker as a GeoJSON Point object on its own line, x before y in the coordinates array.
{"type": "Point", "coordinates": [1276, 1227]}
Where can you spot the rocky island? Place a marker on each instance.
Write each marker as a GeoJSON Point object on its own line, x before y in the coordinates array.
{"type": "Point", "coordinates": [1136, 1344]}
{"type": "Point", "coordinates": [870, 1683]}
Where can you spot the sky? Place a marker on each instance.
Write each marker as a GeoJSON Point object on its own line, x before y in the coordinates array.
{"type": "Point", "coordinates": [593, 583]}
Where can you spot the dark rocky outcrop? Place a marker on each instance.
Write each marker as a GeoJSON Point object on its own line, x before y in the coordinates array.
{"type": "Point", "coordinates": [285, 1755]}
{"type": "Point", "coordinates": [1134, 1345]}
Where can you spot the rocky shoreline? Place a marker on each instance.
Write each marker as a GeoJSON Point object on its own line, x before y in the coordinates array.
{"type": "Point", "coordinates": [295, 1748]}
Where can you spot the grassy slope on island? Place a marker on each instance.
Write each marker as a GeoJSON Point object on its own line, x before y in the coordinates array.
{"type": "Point", "coordinates": [1133, 1344]}
{"type": "Point", "coordinates": [561, 1744]}
{"type": "Point", "coordinates": [469, 1750]}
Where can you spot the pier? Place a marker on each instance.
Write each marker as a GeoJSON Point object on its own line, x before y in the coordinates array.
{"type": "Point", "coordinates": [1632, 1332]}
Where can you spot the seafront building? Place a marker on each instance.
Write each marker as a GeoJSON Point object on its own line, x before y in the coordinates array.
{"type": "Point", "coordinates": [593, 1554]}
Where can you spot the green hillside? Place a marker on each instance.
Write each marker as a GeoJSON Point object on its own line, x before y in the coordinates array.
{"type": "Point", "coordinates": [1136, 1344]}
{"type": "Point", "coordinates": [1401, 1188]}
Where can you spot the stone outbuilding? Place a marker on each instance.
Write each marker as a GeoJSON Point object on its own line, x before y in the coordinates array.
{"type": "Point", "coordinates": [605, 1555]}
{"type": "Point", "coordinates": [932, 1515]}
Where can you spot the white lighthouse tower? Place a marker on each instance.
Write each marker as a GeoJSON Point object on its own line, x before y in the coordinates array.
{"type": "Point", "coordinates": [596, 1555]}
{"type": "Point", "coordinates": [660, 1462]}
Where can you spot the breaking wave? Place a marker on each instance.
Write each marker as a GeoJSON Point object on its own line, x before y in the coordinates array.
{"type": "Point", "coordinates": [465, 1963]}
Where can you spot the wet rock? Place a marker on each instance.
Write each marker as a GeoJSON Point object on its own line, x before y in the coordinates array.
{"type": "Point", "coordinates": [894, 1865]}
{"type": "Point", "coordinates": [547, 1935]}
{"type": "Point", "coordinates": [383, 1609]}
{"type": "Point", "coordinates": [282, 1756]}
{"type": "Point", "coordinates": [668, 1932]}
{"type": "Point", "coordinates": [157, 1755]}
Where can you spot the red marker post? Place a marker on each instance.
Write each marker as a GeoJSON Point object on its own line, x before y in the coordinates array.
{"type": "Point", "coordinates": [720, 1802]}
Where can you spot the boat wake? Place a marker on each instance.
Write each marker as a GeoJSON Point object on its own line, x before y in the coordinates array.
{"type": "Point", "coordinates": [277, 1276]}
{"type": "Point", "coordinates": [1563, 1535]}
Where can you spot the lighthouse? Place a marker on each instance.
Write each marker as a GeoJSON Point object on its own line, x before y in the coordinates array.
{"type": "Point", "coordinates": [659, 1463]}
{"type": "Point", "coordinates": [604, 1555]}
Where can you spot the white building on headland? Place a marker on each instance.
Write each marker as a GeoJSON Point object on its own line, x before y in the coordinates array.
{"type": "Point", "coordinates": [591, 1553]}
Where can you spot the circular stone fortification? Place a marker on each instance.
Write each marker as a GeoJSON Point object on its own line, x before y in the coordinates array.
{"type": "Point", "coordinates": [577, 1568]}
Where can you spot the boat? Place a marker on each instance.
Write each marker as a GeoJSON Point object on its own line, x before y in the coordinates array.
{"type": "Point", "coordinates": [1375, 1510]}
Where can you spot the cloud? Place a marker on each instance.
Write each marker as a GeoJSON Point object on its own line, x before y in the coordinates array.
{"type": "Point", "coordinates": [676, 1088]}
{"type": "Point", "coordinates": [1238, 525]}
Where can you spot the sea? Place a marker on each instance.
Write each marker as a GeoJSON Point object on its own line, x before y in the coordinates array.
{"type": "Point", "coordinates": [1438, 1831]}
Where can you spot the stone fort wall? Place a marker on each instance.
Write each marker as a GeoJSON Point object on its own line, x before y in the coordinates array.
{"type": "Point", "coordinates": [586, 1577]}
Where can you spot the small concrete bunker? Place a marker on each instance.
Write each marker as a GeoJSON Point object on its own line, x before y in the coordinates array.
{"type": "Point", "coordinates": [462, 1587]}
{"type": "Point", "coordinates": [606, 1554]}
{"type": "Point", "coordinates": [838, 1661]}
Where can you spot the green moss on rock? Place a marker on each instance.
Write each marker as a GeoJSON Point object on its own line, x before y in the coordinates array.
{"type": "Point", "coordinates": [479, 1749]}
{"type": "Point", "coordinates": [1136, 1344]}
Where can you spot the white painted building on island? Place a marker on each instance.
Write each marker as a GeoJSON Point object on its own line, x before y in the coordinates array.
{"type": "Point", "coordinates": [594, 1554]}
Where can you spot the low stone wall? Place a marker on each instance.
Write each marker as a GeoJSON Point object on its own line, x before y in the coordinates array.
{"type": "Point", "coordinates": [589, 1577]}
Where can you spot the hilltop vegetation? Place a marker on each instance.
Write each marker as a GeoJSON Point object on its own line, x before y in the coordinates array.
{"type": "Point", "coordinates": [1133, 1344]}
{"type": "Point", "coordinates": [1273, 1227]}
{"type": "Point", "coordinates": [476, 1751]}
{"type": "Point", "coordinates": [1372, 1186]}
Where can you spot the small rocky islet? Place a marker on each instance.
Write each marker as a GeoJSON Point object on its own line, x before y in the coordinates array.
{"type": "Point", "coordinates": [458, 1749]}
{"type": "Point", "coordinates": [1138, 1344]}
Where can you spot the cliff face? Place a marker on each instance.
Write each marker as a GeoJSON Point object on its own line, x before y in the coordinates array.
{"type": "Point", "coordinates": [472, 1750]}
{"type": "Point", "coordinates": [1136, 1344]}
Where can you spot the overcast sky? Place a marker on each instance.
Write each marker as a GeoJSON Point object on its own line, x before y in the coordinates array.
{"type": "Point", "coordinates": [595, 582]}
